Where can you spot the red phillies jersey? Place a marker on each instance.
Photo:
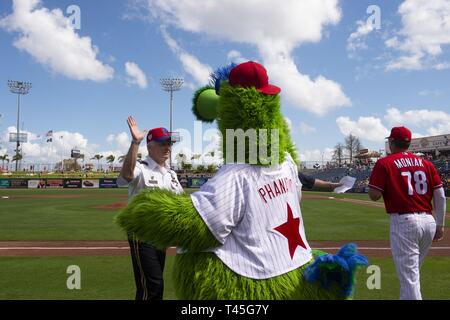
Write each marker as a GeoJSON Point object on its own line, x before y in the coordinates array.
{"type": "Point", "coordinates": [406, 181]}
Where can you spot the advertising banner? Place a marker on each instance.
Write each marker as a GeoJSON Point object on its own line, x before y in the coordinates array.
{"type": "Point", "coordinates": [19, 183]}
{"type": "Point", "coordinates": [55, 183]}
{"type": "Point", "coordinates": [197, 182]}
{"type": "Point", "coordinates": [433, 143]}
{"type": "Point", "coordinates": [427, 144]}
{"type": "Point", "coordinates": [72, 183]}
{"type": "Point", "coordinates": [4, 183]}
{"type": "Point", "coordinates": [42, 184]}
{"type": "Point", "coordinates": [108, 183]}
{"type": "Point", "coordinates": [90, 183]}
{"type": "Point", "coordinates": [33, 184]}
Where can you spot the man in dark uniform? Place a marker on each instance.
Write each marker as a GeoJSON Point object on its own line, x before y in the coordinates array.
{"type": "Point", "coordinates": [152, 172]}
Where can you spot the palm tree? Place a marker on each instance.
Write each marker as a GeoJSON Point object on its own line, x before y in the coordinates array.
{"type": "Point", "coordinates": [186, 166]}
{"type": "Point", "coordinates": [4, 158]}
{"type": "Point", "coordinates": [97, 157]}
{"type": "Point", "coordinates": [110, 159]}
{"type": "Point", "coordinates": [211, 168]}
{"type": "Point", "coordinates": [121, 158]}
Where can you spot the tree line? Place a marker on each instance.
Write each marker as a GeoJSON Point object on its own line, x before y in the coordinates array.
{"type": "Point", "coordinates": [347, 150]}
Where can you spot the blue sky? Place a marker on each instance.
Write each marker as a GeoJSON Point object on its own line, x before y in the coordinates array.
{"type": "Point", "coordinates": [342, 68]}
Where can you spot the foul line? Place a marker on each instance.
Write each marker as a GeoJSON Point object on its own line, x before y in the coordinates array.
{"type": "Point", "coordinates": [64, 248]}
{"type": "Point", "coordinates": [375, 248]}
{"type": "Point", "coordinates": [127, 248]}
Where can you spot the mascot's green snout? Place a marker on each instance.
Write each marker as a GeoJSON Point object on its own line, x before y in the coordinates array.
{"type": "Point", "coordinates": [242, 234]}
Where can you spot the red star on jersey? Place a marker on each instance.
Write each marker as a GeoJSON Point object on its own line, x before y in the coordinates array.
{"type": "Point", "coordinates": [290, 230]}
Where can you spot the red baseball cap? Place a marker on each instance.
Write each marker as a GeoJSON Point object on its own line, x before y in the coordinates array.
{"type": "Point", "coordinates": [400, 134]}
{"type": "Point", "coordinates": [159, 135]}
{"type": "Point", "coordinates": [251, 74]}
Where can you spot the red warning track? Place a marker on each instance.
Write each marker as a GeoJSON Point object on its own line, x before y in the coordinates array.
{"type": "Point", "coordinates": [371, 248]}
{"type": "Point", "coordinates": [120, 248]}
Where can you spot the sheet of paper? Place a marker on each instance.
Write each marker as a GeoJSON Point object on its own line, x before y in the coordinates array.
{"type": "Point", "coordinates": [347, 184]}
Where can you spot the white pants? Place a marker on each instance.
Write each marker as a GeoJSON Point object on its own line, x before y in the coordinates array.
{"type": "Point", "coordinates": [411, 238]}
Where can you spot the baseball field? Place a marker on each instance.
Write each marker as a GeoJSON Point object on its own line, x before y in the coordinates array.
{"type": "Point", "coordinates": [43, 232]}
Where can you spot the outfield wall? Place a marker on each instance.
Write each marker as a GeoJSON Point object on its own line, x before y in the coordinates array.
{"type": "Point", "coordinates": [58, 183]}
{"type": "Point", "coordinates": [80, 183]}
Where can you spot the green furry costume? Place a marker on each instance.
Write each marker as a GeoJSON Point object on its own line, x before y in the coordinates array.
{"type": "Point", "coordinates": [165, 219]}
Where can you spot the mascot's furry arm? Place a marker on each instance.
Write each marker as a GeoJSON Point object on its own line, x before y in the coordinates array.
{"type": "Point", "coordinates": [166, 219]}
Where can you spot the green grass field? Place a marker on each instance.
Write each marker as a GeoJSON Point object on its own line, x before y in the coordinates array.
{"type": "Point", "coordinates": [71, 215]}
{"type": "Point", "coordinates": [59, 214]}
{"type": "Point", "coordinates": [111, 278]}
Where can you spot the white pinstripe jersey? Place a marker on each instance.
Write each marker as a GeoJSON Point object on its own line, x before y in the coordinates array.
{"type": "Point", "coordinates": [255, 213]}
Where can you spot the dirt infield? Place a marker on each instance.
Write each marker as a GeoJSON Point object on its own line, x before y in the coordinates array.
{"type": "Point", "coordinates": [367, 203]}
{"type": "Point", "coordinates": [112, 206]}
{"type": "Point", "coordinates": [356, 201]}
{"type": "Point", "coordinates": [46, 196]}
{"type": "Point", "coordinates": [63, 196]}
{"type": "Point", "coordinates": [369, 248]}
{"type": "Point", "coordinates": [121, 248]}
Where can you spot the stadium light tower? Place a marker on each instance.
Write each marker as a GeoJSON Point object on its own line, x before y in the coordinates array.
{"type": "Point", "coordinates": [19, 88]}
{"type": "Point", "coordinates": [170, 85]}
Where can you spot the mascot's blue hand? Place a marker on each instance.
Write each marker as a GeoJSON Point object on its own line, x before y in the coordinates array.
{"type": "Point", "coordinates": [338, 269]}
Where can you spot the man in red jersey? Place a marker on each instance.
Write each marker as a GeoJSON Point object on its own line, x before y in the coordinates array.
{"type": "Point", "coordinates": [408, 185]}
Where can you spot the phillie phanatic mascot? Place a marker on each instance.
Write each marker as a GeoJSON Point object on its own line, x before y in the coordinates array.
{"type": "Point", "coordinates": [242, 234]}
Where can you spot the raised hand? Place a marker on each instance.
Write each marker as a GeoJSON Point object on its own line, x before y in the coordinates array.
{"type": "Point", "coordinates": [136, 134]}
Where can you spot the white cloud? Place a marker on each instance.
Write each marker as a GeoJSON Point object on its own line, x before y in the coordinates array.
{"type": "Point", "coordinates": [424, 93]}
{"type": "Point", "coordinates": [372, 129]}
{"type": "Point", "coordinates": [236, 57]}
{"type": "Point", "coordinates": [315, 155]}
{"type": "Point", "coordinates": [392, 42]}
{"type": "Point", "coordinates": [120, 141]}
{"type": "Point", "coordinates": [199, 71]}
{"type": "Point", "coordinates": [318, 96]}
{"type": "Point", "coordinates": [366, 128]}
{"type": "Point", "coordinates": [435, 122]}
{"type": "Point", "coordinates": [37, 150]}
{"type": "Point", "coordinates": [48, 37]}
{"type": "Point", "coordinates": [413, 62]}
{"type": "Point", "coordinates": [110, 138]}
{"type": "Point", "coordinates": [356, 40]}
{"type": "Point", "coordinates": [442, 66]}
{"type": "Point", "coordinates": [306, 128]}
{"type": "Point", "coordinates": [274, 30]}
{"type": "Point", "coordinates": [289, 123]}
{"type": "Point", "coordinates": [425, 30]}
{"type": "Point", "coordinates": [135, 75]}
